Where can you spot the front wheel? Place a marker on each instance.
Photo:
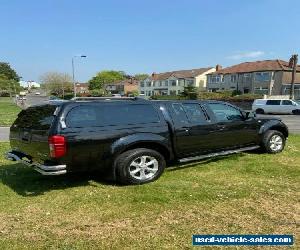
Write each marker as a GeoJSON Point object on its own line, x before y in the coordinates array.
{"type": "Point", "coordinates": [139, 166]}
{"type": "Point", "coordinates": [273, 141]}
{"type": "Point", "coordinates": [259, 111]}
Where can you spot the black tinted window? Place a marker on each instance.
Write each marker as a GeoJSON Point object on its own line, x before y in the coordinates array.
{"type": "Point", "coordinates": [273, 102]}
{"type": "Point", "coordinates": [194, 112]}
{"type": "Point", "coordinates": [179, 113]}
{"type": "Point", "coordinates": [287, 102]}
{"type": "Point", "coordinates": [104, 115]}
{"type": "Point", "coordinates": [225, 112]}
{"type": "Point", "coordinates": [40, 117]}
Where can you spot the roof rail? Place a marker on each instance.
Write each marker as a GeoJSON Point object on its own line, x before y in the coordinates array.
{"type": "Point", "coordinates": [107, 98]}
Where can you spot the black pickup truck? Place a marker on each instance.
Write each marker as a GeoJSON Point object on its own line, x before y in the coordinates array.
{"type": "Point", "coordinates": [133, 138]}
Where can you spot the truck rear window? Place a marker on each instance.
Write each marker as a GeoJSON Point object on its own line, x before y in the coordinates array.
{"type": "Point", "coordinates": [39, 117]}
{"type": "Point", "coordinates": [110, 115]}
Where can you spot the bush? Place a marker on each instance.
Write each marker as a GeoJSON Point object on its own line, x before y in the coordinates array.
{"type": "Point", "coordinates": [68, 96]}
{"type": "Point", "coordinates": [97, 92]}
{"type": "Point", "coordinates": [4, 93]}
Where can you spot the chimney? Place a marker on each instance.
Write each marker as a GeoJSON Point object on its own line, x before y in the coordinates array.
{"type": "Point", "coordinates": [153, 74]}
{"type": "Point", "coordinates": [218, 67]}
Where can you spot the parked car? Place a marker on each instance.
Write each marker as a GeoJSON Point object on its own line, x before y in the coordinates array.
{"type": "Point", "coordinates": [134, 139]}
{"type": "Point", "coordinates": [37, 93]}
{"type": "Point", "coordinates": [278, 106]}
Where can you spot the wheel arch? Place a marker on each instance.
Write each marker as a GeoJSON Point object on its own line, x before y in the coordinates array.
{"type": "Point", "coordinates": [274, 125]}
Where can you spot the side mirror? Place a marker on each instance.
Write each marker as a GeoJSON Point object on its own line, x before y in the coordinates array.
{"type": "Point", "coordinates": [248, 115]}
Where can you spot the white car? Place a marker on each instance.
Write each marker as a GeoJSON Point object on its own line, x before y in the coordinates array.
{"type": "Point", "coordinates": [37, 93]}
{"type": "Point", "coordinates": [275, 106]}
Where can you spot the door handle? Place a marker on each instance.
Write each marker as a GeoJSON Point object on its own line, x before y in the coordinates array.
{"type": "Point", "coordinates": [221, 126]}
{"type": "Point", "coordinates": [186, 129]}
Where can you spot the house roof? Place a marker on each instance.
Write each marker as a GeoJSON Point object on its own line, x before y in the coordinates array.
{"type": "Point", "coordinates": [125, 82]}
{"type": "Point", "coordinates": [83, 85]}
{"type": "Point", "coordinates": [266, 65]}
{"type": "Point", "coordinates": [179, 74]}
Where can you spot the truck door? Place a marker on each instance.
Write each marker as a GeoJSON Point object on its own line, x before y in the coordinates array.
{"type": "Point", "coordinates": [233, 130]}
{"type": "Point", "coordinates": [194, 133]}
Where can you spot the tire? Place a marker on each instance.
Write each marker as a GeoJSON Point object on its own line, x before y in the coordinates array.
{"type": "Point", "coordinates": [132, 166]}
{"type": "Point", "coordinates": [296, 112]}
{"type": "Point", "coordinates": [259, 111]}
{"type": "Point", "coordinates": [273, 142]}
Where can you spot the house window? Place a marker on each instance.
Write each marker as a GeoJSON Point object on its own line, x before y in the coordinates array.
{"type": "Point", "coordinates": [160, 83]}
{"type": "Point", "coordinates": [142, 92]}
{"type": "Point", "coordinates": [215, 79]}
{"type": "Point", "coordinates": [166, 83]}
{"type": "Point", "coordinates": [173, 82]}
{"type": "Point", "coordinates": [181, 82]}
{"type": "Point", "coordinates": [261, 90]}
{"type": "Point", "coordinates": [189, 82]}
{"type": "Point", "coordinates": [142, 84]}
{"type": "Point", "coordinates": [262, 76]}
{"type": "Point", "coordinates": [172, 92]}
{"type": "Point", "coordinates": [233, 78]}
{"type": "Point", "coordinates": [247, 78]}
{"type": "Point", "coordinates": [148, 84]}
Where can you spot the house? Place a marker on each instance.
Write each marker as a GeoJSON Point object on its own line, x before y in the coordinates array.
{"type": "Point", "coordinates": [29, 84]}
{"type": "Point", "coordinates": [82, 88]}
{"type": "Point", "coordinates": [270, 77]}
{"type": "Point", "coordinates": [173, 82]}
{"type": "Point", "coordinates": [123, 87]}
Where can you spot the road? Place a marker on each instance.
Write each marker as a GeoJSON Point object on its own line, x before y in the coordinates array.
{"type": "Point", "coordinates": [32, 99]}
{"type": "Point", "coordinates": [292, 121]}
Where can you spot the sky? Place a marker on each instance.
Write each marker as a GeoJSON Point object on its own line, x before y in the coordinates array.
{"type": "Point", "coordinates": [143, 36]}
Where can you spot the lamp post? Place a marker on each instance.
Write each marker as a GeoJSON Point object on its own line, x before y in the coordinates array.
{"type": "Point", "coordinates": [73, 72]}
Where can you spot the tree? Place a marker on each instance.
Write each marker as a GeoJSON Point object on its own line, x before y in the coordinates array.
{"type": "Point", "coordinates": [141, 77]}
{"type": "Point", "coordinates": [190, 92]}
{"type": "Point", "coordinates": [8, 86]}
{"type": "Point", "coordinates": [104, 77]}
{"type": "Point", "coordinates": [56, 83]}
{"type": "Point", "coordinates": [8, 72]}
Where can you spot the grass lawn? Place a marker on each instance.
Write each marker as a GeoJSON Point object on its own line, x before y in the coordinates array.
{"type": "Point", "coordinates": [248, 193]}
{"type": "Point", "coordinates": [8, 111]}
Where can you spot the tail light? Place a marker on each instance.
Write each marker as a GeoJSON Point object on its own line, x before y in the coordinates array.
{"type": "Point", "coordinates": [57, 145]}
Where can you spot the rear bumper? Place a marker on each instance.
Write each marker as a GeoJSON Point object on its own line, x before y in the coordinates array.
{"type": "Point", "coordinates": [43, 169]}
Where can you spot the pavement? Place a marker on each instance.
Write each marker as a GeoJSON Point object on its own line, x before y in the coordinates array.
{"type": "Point", "coordinates": [4, 133]}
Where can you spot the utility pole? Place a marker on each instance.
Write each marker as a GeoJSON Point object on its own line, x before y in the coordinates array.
{"type": "Point", "coordinates": [293, 64]}
{"type": "Point", "coordinates": [73, 72]}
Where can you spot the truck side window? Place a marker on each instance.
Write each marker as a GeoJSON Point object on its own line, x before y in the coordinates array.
{"type": "Point", "coordinates": [111, 115]}
{"type": "Point", "coordinates": [225, 113]}
{"type": "Point", "coordinates": [179, 114]}
{"type": "Point", "coordinates": [194, 113]}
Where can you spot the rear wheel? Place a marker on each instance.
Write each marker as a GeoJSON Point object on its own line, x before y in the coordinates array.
{"type": "Point", "coordinates": [296, 112]}
{"type": "Point", "coordinates": [259, 111]}
{"type": "Point", "coordinates": [139, 166]}
{"type": "Point", "coordinates": [273, 141]}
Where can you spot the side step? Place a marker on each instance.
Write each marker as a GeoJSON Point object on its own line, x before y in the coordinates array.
{"type": "Point", "coordinates": [227, 152]}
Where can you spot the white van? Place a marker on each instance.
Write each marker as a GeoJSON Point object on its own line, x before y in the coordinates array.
{"type": "Point", "coordinates": [275, 106]}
